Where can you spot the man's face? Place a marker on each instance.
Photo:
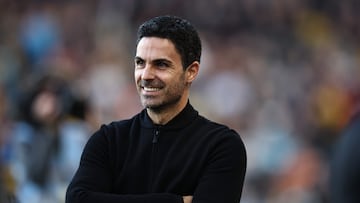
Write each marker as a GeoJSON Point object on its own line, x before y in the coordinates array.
{"type": "Point", "coordinates": [159, 74]}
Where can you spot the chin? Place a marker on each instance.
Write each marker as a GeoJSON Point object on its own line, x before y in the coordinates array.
{"type": "Point", "coordinates": [159, 105]}
{"type": "Point", "coordinates": [151, 105]}
{"type": "Point", "coordinates": [154, 106]}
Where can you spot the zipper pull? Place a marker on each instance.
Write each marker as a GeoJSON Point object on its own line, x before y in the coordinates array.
{"type": "Point", "coordinates": [156, 136]}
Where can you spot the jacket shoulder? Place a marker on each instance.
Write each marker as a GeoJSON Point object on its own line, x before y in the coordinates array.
{"type": "Point", "coordinates": [115, 129]}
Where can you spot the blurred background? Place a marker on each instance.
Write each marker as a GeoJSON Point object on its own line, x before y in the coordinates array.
{"type": "Point", "coordinates": [283, 73]}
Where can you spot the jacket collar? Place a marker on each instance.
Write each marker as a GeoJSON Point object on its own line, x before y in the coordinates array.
{"type": "Point", "coordinates": [184, 118]}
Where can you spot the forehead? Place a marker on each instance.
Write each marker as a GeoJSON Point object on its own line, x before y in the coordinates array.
{"type": "Point", "coordinates": [155, 47]}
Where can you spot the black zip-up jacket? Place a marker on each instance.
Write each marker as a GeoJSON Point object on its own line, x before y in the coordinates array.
{"type": "Point", "coordinates": [135, 161]}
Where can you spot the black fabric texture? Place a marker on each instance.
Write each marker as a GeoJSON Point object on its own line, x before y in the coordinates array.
{"type": "Point", "coordinates": [135, 161]}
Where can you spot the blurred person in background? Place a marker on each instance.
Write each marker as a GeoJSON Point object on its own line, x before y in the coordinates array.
{"type": "Point", "coordinates": [45, 144]}
{"type": "Point", "coordinates": [345, 165]}
{"type": "Point", "coordinates": [167, 152]}
{"type": "Point", "coordinates": [35, 138]}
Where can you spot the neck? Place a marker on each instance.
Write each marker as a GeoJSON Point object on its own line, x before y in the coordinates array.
{"type": "Point", "coordinates": [163, 116]}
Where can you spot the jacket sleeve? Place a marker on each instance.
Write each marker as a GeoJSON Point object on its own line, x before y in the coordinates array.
{"type": "Point", "coordinates": [92, 182]}
{"type": "Point", "coordinates": [224, 174]}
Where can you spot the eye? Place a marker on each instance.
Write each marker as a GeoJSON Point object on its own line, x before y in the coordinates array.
{"type": "Point", "coordinates": [139, 62]}
{"type": "Point", "coordinates": [161, 64]}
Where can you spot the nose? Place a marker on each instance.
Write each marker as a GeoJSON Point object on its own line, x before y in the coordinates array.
{"type": "Point", "coordinates": [148, 72]}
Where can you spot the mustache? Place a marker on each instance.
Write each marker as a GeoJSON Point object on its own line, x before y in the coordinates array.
{"type": "Point", "coordinates": [151, 83]}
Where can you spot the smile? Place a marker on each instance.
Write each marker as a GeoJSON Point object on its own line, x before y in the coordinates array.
{"type": "Point", "coordinates": [151, 89]}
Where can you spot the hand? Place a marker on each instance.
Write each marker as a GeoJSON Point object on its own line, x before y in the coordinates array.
{"type": "Point", "coordinates": [187, 199]}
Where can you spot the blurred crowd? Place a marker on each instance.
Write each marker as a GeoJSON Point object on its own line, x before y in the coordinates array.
{"type": "Point", "coordinates": [283, 73]}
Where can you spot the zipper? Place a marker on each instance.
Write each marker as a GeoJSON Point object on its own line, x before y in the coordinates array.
{"type": "Point", "coordinates": [154, 158]}
{"type": "Point", "coordinates": [156, 136]}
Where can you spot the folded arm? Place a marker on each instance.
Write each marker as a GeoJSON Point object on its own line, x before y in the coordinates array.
{"type": "Point", "coordinates": [93, 180]}
{"type": "Point", "coordinates": [224, 175]}
{"type": "Point", "coordinates": [221, 181]}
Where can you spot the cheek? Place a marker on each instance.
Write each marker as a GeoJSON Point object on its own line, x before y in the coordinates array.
{"type": "Point", "coordinates": [137, 76]}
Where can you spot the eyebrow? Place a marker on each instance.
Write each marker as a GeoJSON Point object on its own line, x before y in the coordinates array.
{"type": "Point", "coordinates": [156, 60]}
{"type": "Point", "coordinates": [138, 58]}
{"type": "Point", "coordinates": [163, 60]}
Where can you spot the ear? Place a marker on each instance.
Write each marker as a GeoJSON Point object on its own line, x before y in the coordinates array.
{"type": "Point", "coordinates": [191, 71]}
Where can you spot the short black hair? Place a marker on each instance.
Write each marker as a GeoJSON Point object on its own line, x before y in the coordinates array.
{"type": "Point", "coordinates": [179, 31]}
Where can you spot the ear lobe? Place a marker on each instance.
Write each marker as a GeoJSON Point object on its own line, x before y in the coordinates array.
{"type": "Point", "coordinates": [192, 71]}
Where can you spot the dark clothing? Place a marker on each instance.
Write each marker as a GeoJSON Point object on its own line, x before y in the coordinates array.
{"type": "Point", "coordinates": [345, 170]}
{"type": "Point", "coordinates": [135, 161]}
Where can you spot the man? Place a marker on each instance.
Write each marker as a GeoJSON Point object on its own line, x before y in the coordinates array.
{"type": "Point", "coordinates": [167, 153]}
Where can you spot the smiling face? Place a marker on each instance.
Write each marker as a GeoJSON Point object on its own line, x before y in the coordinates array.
{"type": "Point", "coordinates": [161, 80]}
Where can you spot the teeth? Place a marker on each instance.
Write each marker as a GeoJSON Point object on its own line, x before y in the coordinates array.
{"type": "Point", "coordinates": [151, 89]}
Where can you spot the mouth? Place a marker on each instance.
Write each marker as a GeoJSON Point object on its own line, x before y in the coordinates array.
{"type": "Point", "coordinates": [151, 89]}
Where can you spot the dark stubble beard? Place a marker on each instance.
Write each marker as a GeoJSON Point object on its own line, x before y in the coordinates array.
{"type": "Point", "coordinates": [176, 92]}
{"type": "Point", "coordinates": [164, 106]}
